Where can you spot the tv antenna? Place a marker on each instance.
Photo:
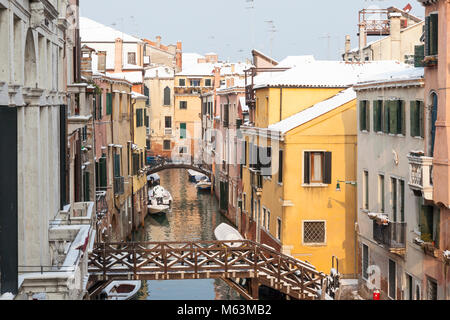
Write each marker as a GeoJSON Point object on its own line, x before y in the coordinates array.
{"type": "Point", "coordinates": [272, 30]}
{"type": "Point", "coordinates": [251, 7]}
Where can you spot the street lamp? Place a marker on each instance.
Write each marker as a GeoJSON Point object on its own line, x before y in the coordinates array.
{"type": "Point", "coordinates": [338, 186]}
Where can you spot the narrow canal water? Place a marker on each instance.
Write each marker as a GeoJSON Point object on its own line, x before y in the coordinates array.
{"type": "Point", "coordinates": [194, 217]}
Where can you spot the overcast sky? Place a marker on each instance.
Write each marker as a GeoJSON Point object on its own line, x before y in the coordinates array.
{"type": "Point", "coordinates": [230, 29]}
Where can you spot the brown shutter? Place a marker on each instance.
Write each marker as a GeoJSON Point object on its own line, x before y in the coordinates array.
{"type": "Point", "coordinates": [327, 173]}
{"type": "Point", "coordinates": [306, 168]}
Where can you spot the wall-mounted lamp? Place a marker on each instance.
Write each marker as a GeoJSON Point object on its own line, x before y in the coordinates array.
{"type": "Point", "coordinates": [338, 186]}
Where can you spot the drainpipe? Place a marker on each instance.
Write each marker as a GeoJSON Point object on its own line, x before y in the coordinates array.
{"type": "Point", "coordinates": [132, 179]}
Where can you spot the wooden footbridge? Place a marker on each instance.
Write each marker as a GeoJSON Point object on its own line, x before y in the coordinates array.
{"type": "Point", "coordinates": [232, 261]}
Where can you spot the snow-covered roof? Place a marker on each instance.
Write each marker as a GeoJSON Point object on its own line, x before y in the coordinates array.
{"type": "Point", "coordinates": [199, 69]}
{"type": "Point", "coordinates": [92, 31]}
{"type": "Point", "coordinates": [163, 72]}
{"type": "Point", "coordinates": [190, 59]}
{"type": "Point", "coordinates": [133, 77]}
{"type": "Point", "coordinates": [402, 75]}
{"type": "Point", "coordinates": [294, 61]}
{"type": "Point", "coordinates": [137, 95]}
{"type": "Point", "coordinates": [333, 74]}
{"type": "Point", "coordinates": [243, 103]}
{"type": "Point", "coordinates": [315, 111]}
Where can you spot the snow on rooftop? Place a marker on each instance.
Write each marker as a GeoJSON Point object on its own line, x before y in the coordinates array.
{"type": "Point", "coordinates": [163, 72]}
{"type": "Point", "coordinates": [137, 95]}
{"type": "Point", "coordinates": [190, 59]}
{"type": "Point", "coordinates": [133, 77]}
{"type": "Point", "coordinates": [405, 74]}
{"type": "Point", "coordinates": [199, 69]}
{"type": "Point", "coordinates": [243, 103]}
{"type": "Point", "coordinates": [92, 31]}
{"type": "Point", "coordinates": [337, 74]}
{"type": "Point", "coordinates": [315, 111]}
{"type": "Point", "coordinates": [294, 61]}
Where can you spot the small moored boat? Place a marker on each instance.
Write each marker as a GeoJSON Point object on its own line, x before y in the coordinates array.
{"type": "Point", "coordinates": [121, 290]}
{"type": "Point", "coordinates": [204, 184]}
{"type": "Point", "coordinates": [195, 176]}
{"type": "Point", "coordinates": [160, 200]}
{"type": "Point", "coordinates": [226, 232]}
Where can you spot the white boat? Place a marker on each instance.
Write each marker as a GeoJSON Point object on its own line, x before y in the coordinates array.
{"type": "Point", "coordinates": [195, 176]}
{"type": "Point", "coordinates": [226, 232]}
{"type": "Point", "coordinates": [204, 184]}
{"type": "Point", "coordinates": [153, 179]}
{"type": "Point", "coordinates": [160, 200]}
{"type": "Point", "coordinates": [122, 290]}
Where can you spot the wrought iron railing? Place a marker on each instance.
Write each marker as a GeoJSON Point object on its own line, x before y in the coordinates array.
{"type": "Point", "coordinates": [392, 235]}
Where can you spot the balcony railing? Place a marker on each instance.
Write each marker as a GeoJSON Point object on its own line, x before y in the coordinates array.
{"type": "Point", "coordinates": [393, 235]}
{"type": "Point", "coordinates": [421, 175]}
{"type": "Point", "coordinates": [257, 180]}
{"type": "Point", "coordinates": [119, 183]}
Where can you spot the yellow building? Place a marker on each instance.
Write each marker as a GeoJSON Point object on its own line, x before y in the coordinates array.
{"type": "Point", "coordinates": [138, 156]}
{"type": "Point", "coordinates": [292, 198]}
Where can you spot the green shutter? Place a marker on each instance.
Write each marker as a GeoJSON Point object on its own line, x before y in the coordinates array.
{"type": "Point", "coordinates": [386, 114]}
{"type": "Point", "coordinates": [100, 107]}
{"type": "Point", "coordinates": [367, 111]}
{"type": "Point", "coordinates": [413, 118]}
{"type": "Point", "coordinates": [419, 56]}
{"type": "Point", "coordinates": [116, 165]}
{"type": "Point", "coordinates": [362, 116]}
{"type": "Point", "coordinates": [182, 130]}
{"type": "Point", "coordinates": [109, 103]}
{"type": "Point", "coordinates": [87, 189]}
{"type": "Point", "coordinates": [393, 115]}
{"type": "Point", "coordinates": [427, 36]}
{"type": "Point", "coordinates": [102, 172]}
{"type": "Point", "coordinates": [375, 116]}
{"type": "Point", "coordinates": [421, 119]}
{"type": "Point", "coordinates": [402, 121]}
{"type": "Point", "coordinates": [306, 168]}
{"type": "Point", "coordinates": [434, 33]}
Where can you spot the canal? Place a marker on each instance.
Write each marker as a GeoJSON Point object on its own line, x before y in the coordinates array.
{"type": "Point", "coordinates": [194, 217]}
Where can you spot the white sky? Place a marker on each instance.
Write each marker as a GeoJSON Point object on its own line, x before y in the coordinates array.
{"type": "Point", "coordinates": [230, 29]}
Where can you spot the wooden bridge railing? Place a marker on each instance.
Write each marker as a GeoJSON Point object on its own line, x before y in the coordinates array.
{"type": "Point", "coordinates": [206, 259]}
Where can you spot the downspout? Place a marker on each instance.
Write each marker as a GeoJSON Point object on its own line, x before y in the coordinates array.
{"type": "Point", "coordinates": [132, 179]}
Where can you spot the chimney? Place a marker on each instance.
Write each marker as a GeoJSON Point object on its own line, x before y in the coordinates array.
{"type": "Point", "coordinates": [118, 58]}
{"type": "Point", "coordinates": [362, 40]}
{"type": "Point", "coordinates": [216, 77]}
{"type": "Point", "coordinates": [179, 56]}
{"type": "Point", "coordinates": [347, 44]}
{"type": "Point", "coordinates": [395, 25]}
{"type": "Point", "coordinates": [233, 68]}
{"type": "Point", "coordinates": [158, 41]}
{"type": "Point", "coordinates": [101, 61]}
{"type": "Point", "coordinates": [86, 62]}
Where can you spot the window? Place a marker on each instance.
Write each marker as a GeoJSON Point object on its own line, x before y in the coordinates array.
{"type": "Point", "coordinates": [244, 202]}
{"type": "Point", "coordinates": [279, 229]}
{"type": "Point", "coordinates": [280, 166]}
{"type": "Point", "coordinates": [168, 122]}
{"type": "Point", "coordinates": [139, 118]}
{"type": "Point", "coordinates": [314, 232]}
{"type": "Point", "coordinates": [182, 82]}
{"type": "Point", "coordinates": [394, 117]}
{"type": "Point", "coordinates": [381, 192]}
{"type": "Point", "coordinates": [402, 200]}
{"type": "Point", "coordinates": [195, 83]}
{"type": "Point", "coordinates": [182, 130]}
{"type": "Point", "coordinates": [263, 218]}
{"type": "Point", "coordinates": [135, 163]}
{"type": "Point", "coordinates": [394, 198]}
{"type": "Point", "coordinates": [409, 287]}
{"type": "Point", "coordinates": [416, 117]}
{"type": "Point", "coordinates": [268, 220]}
{"type": "Point", "coordinates": [366, 190]}
{"type": "Point", "coordinates": [207, 82]}
{"type": "Point", "coordinates": [417, 292]}
{"type": "Point", "coordinates": [364, 115]}
{"type": "Point", "coordinates": [431, 289]}
{"type": "Point", "coordinates": [365, 262]}
{"type": "Point", "coordinates": [183, 104]}
{"type": "Point", "coordinates": [167, 144]}
{"type": "Point", "coordinates": [109, 103]}
{"type": "Point", "coordinates": [392, 283]}
{"type": "Point", "coordinates": [167, 96]}
{"type": "Point", "coordinates": [317, 167]}
{"type": "Point", "coordinates": [378, 115]}
{"type": "Point", "coordinates": [430, 225]}
{"type": "Point", "coordinates": [132, 58]}
{"type": "Point", "coordinates": [182, 150]}
{"type": "Point", "coordinates": [431, 34]}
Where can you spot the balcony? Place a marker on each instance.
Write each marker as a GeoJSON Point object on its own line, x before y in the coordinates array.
{"type": "Point", "coordinates": [392, 236]}
{"type": "Point", "coordinates": [421, 175]}
{"type": "Point", "coordinates": [183, 91]}
{"type": "Point", "coordinates": [257, 182]}
{"type": "Point", "coordinates": [119, 183]}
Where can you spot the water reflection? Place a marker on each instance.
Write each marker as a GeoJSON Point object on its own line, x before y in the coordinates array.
{"type": "Point", "coordinates": [194, 217]}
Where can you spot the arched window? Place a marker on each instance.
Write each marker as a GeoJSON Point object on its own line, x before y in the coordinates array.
{"type": "Point", "coordinates": [167, 96]}
{"type": "Point", "coordinates": [433, 118]}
